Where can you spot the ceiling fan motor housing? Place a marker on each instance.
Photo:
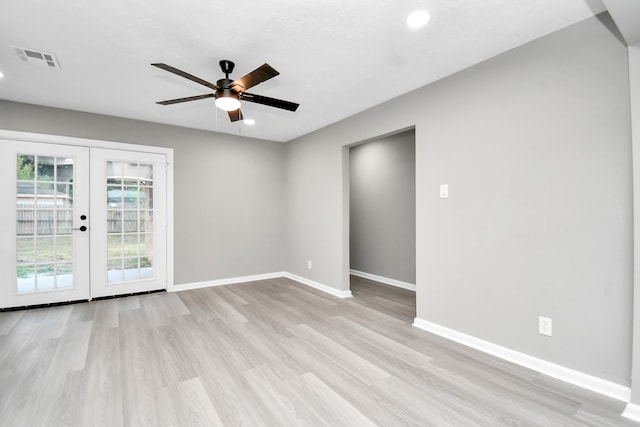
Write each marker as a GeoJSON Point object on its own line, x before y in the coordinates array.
{"type": "Point", "coordinates": [225, 90]}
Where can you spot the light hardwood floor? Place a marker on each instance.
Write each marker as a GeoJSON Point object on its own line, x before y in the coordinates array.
{"type": "Point", "coordinates": [270, 353]}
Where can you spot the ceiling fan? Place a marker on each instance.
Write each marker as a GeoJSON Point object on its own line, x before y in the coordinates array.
{"type": "Point", "coordinates": [228, 93]}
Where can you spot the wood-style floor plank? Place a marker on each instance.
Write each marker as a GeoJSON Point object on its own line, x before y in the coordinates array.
{"type": "Point", "coordinates": [9, 320]}
{"type": "Point", "coordinates": [327, 405]}
{"type": "Point", "coordinates": [266, 353]}
{"type": "Point", "coordinates": [195, 405]}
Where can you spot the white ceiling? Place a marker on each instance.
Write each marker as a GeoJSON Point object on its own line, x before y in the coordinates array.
{"type": "Point", "coordinates": [335, 57]}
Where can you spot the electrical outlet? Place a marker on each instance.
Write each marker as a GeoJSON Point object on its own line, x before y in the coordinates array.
{"type": "Point", "coordinates": [309, 264]}
{"type": "Point", "coordinates": [545, 326]}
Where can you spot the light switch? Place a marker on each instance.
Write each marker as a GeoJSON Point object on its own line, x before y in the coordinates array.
{"type": "Point", "coordinates": [444, 191]}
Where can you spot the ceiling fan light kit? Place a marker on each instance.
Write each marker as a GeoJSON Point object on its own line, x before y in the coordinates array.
{"type": "Point", "coordinates": [228, 93]}
{"type": "Point", "coordinates": [227, 100]}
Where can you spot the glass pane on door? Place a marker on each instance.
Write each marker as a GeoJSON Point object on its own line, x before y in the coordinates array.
{"type": "Point", "coordinates": [44, 219]}
{"type": "Point", "coordinates": [129, 205]}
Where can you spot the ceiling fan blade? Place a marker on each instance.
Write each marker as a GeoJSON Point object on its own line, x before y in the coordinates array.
{"type": "Point", "coordinates": [235, 115]}
{"type": "Point", "coordinates": [271, 102]}
{"type": "Point", "coordinates": [189, 98]}
{"type": "Point", "coordinates": [186, 75]}
{"type": "Point", "coordinates": [259, 75]}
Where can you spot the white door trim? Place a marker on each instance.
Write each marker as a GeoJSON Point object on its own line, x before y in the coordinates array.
{"type": "Point", "coordinates": [95, 143]}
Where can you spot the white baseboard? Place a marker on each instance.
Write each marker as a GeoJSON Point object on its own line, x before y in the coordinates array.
{"type": "Point", "coordinates": [229, 281]}
{"type": "Point", "coordinates": [385, 280]}
{"type": "Point", "coordinates": [580, 379]}
{"type": "Point", "coordinates": [328, 289]}
{"type": "Point", "coordinates": [256, 277]}
{"type": "Point", "coordinates": [632, 411]}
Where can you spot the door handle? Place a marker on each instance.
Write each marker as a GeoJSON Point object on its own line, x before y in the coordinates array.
{"type": "Point", "coordinates": [82, 228]}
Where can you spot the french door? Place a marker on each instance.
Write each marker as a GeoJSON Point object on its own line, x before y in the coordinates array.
{"type": "Point", "coordinates": [128, 208]}
{"type": "Point", "coordinates": [79, 222]}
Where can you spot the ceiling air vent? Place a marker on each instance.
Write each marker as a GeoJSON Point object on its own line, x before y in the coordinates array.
{"type": "Point", "coordinates": [36, 57]}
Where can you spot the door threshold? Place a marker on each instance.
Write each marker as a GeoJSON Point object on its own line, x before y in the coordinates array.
{"type": "Point", "coordinates": [56, 304]}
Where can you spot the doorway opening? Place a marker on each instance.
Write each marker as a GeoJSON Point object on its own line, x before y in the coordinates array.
{"type": "Point", "coordinates": [382, 220]}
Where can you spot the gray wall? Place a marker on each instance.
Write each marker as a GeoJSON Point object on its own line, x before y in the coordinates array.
{"type": "Point", "coordinates": [382, 207]}
{"type": "Point", "coordinates": [535, 145]}
{"type": "Point", "coordinates": [229, 191]}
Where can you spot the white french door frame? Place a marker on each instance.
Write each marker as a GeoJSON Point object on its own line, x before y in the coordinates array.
{"type": "Point", "coordinates": [91, 143]}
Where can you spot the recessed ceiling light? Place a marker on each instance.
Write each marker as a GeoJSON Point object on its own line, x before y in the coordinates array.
{"type": "Point", "coordinates": [418, 19]}
{"type": "Point", "coordinates": [249, 122]}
